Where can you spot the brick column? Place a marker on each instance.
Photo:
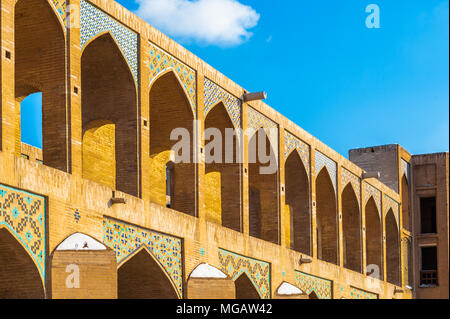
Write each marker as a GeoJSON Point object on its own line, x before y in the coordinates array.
{"type": "Point", "coordinates": [313, 202]}
{"type": "Point", "coordinates": [339, 209]}
{"type": "Point", "coordinates": [201, 186]}
{"type": "Point", "coordinates": [285, 219]}
{"type": "Point", "coordinates": [245, 195]}
{"type": "Point", "coordinates": [144, 117]}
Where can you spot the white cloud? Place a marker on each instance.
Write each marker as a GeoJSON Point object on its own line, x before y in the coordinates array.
{"type": "Point", "coordinates": [219, 22]}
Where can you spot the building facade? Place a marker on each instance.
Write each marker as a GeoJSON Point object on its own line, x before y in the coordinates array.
{"type": "Point", "coordinates": [106, 210]}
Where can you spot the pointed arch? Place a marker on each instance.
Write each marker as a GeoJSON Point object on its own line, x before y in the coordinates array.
{"type": "Point", "coordinates": [229, 169]}
{"type": "Point", "coordinates": [245, 289]}
{"type": "Point", "coordinates": [263, 191]}
{"type": "Point", "coordinates": [406, 210]}
{"type": "Point", "coordinates": [40, 66]}
{"type": "Point", "coordinates": [19, 275]}
{"type": "Point", "coordinates": [313, 295]}
{"type": "Point", "coordinates": [141, 276]}
{"type": "Point", "coordinates": [170, 109]}
{"type": "Point", "coordinates": [374, 237]}
{"type": "Point", "coordinates": [392, 249]}
{"type": "Point", "coordinates": [327, 219]}
{"type": "Point", "coordinates": [80, 241]}
{"type": "Point", "coordinates": [297, 196]}
{"type": "Point", "coordinates": [351, 226]}
{"type": "Point", "coordinates": [108, 93]}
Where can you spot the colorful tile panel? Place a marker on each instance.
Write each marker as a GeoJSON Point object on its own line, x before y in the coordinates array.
{"type": "Point", "coordinates": [256, 121]}
{"type": "Point", "coordinates": [370, 191]}
{"type": "Point", "coordinates": [356, 293]}
{"type": "Point", "coordinates": [321, 161]}
{"type": "Point", "coordinates": [290, 143]}
{"type": "Point", "coordinates": [60, 7]}
{"type": "Point", "coordinates": [160, 61]}
{"type": "Point", "coordinates": [389, 203]}
{"type": "Point", "coordinates": [258, 271]}
{"type": "Point", "coordinates": [93, 21]}
{"type": "Point", "coordinates": [125, 239]}
{"type": "Point", "coordinates": [405, 169]}
{"type": "Point", "coordinates": [308, 283]}
{"type": "Point", "coordinates": [215, 94]}
{"type": "Point", "coordinates": [23, 214]}
{"type": "Point", "coordinates": [348, 177]}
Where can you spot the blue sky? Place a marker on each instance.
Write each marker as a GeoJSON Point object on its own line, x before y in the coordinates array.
{"type": "Point", "coordinates": [347, 85]}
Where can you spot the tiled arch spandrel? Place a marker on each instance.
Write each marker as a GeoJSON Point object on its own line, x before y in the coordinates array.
{"type": "Point", "coordinates": [322, 160]}
{"type": "Point", "coordinates": [348, 177]}
{"type": "Point", "coordinates": [293, 143]}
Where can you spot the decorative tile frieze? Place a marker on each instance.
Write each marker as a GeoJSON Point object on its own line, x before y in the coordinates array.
{"type": "Point", "coordinates": [309, 283]}
{"type": "Point", "coordinates": [293, 143]}
{"type": "Point", "coordinates": [214, 94]}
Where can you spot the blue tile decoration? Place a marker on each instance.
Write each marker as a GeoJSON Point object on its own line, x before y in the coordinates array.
{"type": "Point", "coordinates": [161, 61]}
{"type": "Point", "coordinates": [370, 191]}
{"type": "Point", "coordinates": [77, 216]}
{"type": "Point", "coordinates": [257, 120]}
{"type": "Point", "coordinates": [23, 214]}
{"type": "Point", "coordinates": [356, 293]}
{"type": "Point", "coordinates": [214, 94]}
{"type": "Point", "coordinates": [125, 239]}
{"type": "Point", "coordinates": [321, 161]}
{"type": "Point", "coordinates": [405, 169]}
{"type": "Point", "coordinates": [290, 143]}
{"type": "Point", "coordinates": [389, 203]}
{"type": "Point", "coordinates": [60, 7]}
{"type": "Point", "coordinates": [94, 21]}
{"type": "Point", "coordinates": [309, 283]}
{"type": "Point", "coordinates": [258, 271]}
{"type": "Point", "coordinates": [348, 177]}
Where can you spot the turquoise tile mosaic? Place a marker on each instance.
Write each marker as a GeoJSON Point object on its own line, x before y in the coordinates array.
{"type": "Point", "coordinates": [309, 283]}
{"type": "Point", "coordinates": [125, 239]}
{"type": "Point", "coordinates": [94, 21]}
{"type": "Point", "coordinates": [258, 271]}
{"type": "Point", "coordinates": [23, 214]}
{"type": "Point", "coordinates": [293, 143]}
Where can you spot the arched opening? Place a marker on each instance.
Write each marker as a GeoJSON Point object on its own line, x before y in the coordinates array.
{"type": "Point", "coordinates": [109, 94]}
{"type": "Point", "coordinates": [99, 152]}
{"type": "Point", "coordinates": [351, 226]}
{"type": "Point", "coordinates": [297, 199]}
{"type": "Point", "coordinates": [40, 67]}
{"type": "Point", "coordinates": [245, 288]}
{"type": "Point", "coordinates": [169, 110]}
{"type": "Point", "coordinates": [19, 276]}
{"type": "Point", "coordinates": [142, 278]}
{"type": "Point", "coordinates": [221, 157]}
{"type": "Point", "coordinates": [263, 191]}
{"type": "Point", "coordinates": [392, 249]}
{"type": "Point", "coordinates": [313, 295]}
{"type": "Point", "coordinates": [374, 243]}
{"type": "Point", "coordinates": [406, 217]}
{"type": "Point", "coordinates": [31, 120]}
{"type": "Point", "coordinates": [327, 227]}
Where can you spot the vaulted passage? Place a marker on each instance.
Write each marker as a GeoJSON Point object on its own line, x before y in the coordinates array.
{"type": "Point", "coordinates": [406, 217]}
{"type": "Point", "coordinates": [109, 96]}
{"type": "Point", "coordinates": [392, 249]}
{"type": "Point", "coordinates": [40, 67]}
{"type": "Point", "coordinates": [142, 278]}
{"type": "Point", "coordinates": [223, 189]}
{"type": "Point", "coordinates": [171, 113]}
{"type": "Point", "coordinates": [297, 201]}
{"type": "Point", "coordinates": [374, 243]}
{"type": "Point", "coordinates": [351, 225]}
{"type": "Point", "coordinates": [245, 288]}
{"type": "Point", "coordinates": [327, 230]}
{"type": "Point", "coordinates": [263, 192]}
{"type": "Point", "coordinates": [19, 276]}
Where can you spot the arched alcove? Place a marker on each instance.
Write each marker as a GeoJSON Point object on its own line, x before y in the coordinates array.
{"type": "Point", "coordinates": [327, 226]}
{"type": "Point", "coordinates": [351, 227]}
{"type": "Point", "coordinates": [245, 288]}
{"type": "Point", "coordinates": [392, 249]}
{"type": "Point", "coordinates": [297, 199]}
{"type": "Point", "coordinates": [374, 237]}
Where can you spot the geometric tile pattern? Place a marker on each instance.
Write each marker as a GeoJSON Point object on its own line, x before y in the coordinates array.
{"type": "Point", "coordinates": [348, 177]}
{"type": "Point", "coordinates": [125, 239]}
{"type": "Point", "coordinates": [356, 293]}
{"type": "Point", "coordinates": [215, 94]}
{"type": "Point", "coordinates": [308, 283]}
{"type": "Point", "coordinates": [290, 143]}
{"type": "Point", "coordinates": [23, 214]}
{"type": "Point", "coordinates": [161, 61]}
{"type": "Point", "coordinates": [389, 203]}
{"type": "Point", "coordinates": [94, 21]}
{"type": "Point", "coordinates": [405, 169]}
{"type": "Point", "coordinates": [369, 191]}
{"type": "Point", "coordinates": [258, 271]}
{"type": "Point", "coordinates": [321, 161]}
{"type": "Point", "coordinates": [60, 6]}
{"type": "Point", "coordinates": [257, 120]}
